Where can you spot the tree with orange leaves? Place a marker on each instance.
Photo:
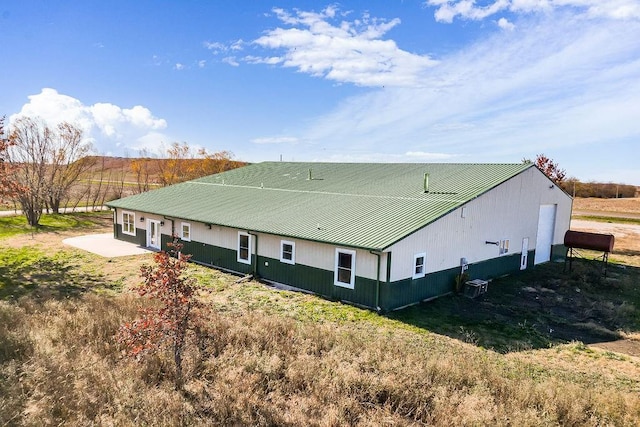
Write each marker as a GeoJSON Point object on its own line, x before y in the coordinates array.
{"type": "Point", "coordinates": [549, 168]}
{"type": "Point", "coordinates": [174, 320]}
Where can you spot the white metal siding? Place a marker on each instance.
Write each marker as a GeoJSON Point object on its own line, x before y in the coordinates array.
{"type": "Point", "coordinates": [509, 211]}
{"type": "Point", "coordinates": [312, 254]}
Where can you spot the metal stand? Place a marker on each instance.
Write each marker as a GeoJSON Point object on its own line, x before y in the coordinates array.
{"type": "Point", "coordinates": [602, 260]}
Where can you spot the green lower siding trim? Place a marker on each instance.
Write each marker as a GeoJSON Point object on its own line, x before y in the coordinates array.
{"type": "Point", "coordinates": [495, 267]}
{"type": "Point", "coordinates": [213, 255]}
{"type": "Point", "coordinates": [405, 292]}
{"type": "Point", "coordinates": [315, 280]}
{"type": "Point", "coordinates": [558, 252]}
{"type": "Point", "coordinates": [318, 281]}
{"type": "Point", "coordinates": [139, 239]}
{"type": "Point", "coordinates": [411, 291]}
{"type": "Point", "coordinates": [321, 282]}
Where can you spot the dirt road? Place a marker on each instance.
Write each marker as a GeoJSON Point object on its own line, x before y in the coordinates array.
{"type": "Point", "coordinates": [62, 210]}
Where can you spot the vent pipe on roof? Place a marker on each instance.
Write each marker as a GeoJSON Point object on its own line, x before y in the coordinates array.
{"type": "Point", "coordinates": [309, 178]}
{"type": "Point", "coordinates": [426, 182]}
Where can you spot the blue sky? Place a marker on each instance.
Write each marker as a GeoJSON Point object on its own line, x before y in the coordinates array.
{"type": "Point", "coordinates": [375, 81]}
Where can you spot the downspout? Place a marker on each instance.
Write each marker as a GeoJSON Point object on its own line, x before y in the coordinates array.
{"type": "Point", "coordinates": [254, 263]}
{"type": "Point", "coordinates": [115, 223]}
{"type": "Point", "coordinates": [378, 254]}
{"type": "Point", "coordinates": [388, 267]}
{"type": "Point", "coordinates": [173, 227]}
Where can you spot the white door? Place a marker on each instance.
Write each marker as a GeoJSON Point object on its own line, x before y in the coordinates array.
{"type": "Point", "coordinates": [153, 234]}
{"type": "Point", "coordinates": [544, 240]}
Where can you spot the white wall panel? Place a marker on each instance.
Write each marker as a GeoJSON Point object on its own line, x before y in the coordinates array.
{"type": "Point", "coordinates": [509, 211]}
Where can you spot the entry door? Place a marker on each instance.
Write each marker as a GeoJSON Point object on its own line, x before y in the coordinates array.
{"type": "Point", "coordinates": [544, 240]}
{"type": "Point", "coordinates": [524, 257]}
{"type": "Point", "coordinates": [153, 234]}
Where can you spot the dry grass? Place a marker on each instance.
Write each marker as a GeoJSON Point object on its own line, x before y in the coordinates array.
{"type": "Point", "coordinates": [266, 369]}
{"type": "Point", "coordinates": [627, 205]}
{"type": "Point", "coordinates": [279, 358]}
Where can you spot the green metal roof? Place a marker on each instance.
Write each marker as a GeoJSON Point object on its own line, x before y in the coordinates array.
{"type": "Point", "coordinates": [362, 205]}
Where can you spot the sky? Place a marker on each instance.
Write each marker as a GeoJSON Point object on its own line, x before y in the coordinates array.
{"type": "Point", "coordinates": [489, 81]}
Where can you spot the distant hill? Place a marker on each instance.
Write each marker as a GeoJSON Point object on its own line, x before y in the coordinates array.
{"type": "Point", "coordinates": [158, 171]}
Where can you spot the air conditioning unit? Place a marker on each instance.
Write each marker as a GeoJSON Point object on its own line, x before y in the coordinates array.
{"type": "Point", "coordinates": [475, 288]}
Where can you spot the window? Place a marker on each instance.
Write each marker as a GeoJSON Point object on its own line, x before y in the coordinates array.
{"type": "Point", "coordinates": [129, 223]}
{"type": "Point", "coordinates": [287, 252]}
{"type": "Point", "coordinates": [345, 272]}
{"type": "Point", "coordinates": [418, 265]}
{"type": "Point", "coordinates": [504, 246]}
{"type": "Point", "coordinates": [244, 248]}
{"type": "Point", "coordinates": [185, 231]}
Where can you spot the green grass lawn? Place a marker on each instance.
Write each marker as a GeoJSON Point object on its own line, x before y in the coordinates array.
{"type": "Point", "coordinates": [17, 224]}
{"type": "Point", "coordinates": [607, 219]}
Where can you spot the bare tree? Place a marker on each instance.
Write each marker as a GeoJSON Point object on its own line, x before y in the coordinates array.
{"type": "Point", "coordinates": [8, 184]}
{"type": "Point", "coordinates": [48, 162]}
{"type": "Point", "coordinates": [68, 160]}
{"type": "Point", "coordinates": [142, 170]}
{"type": "Point", "coordinates": [30, 139]}
{"type": "Point", "coordinates": [104, 183]}
{"type": "Point", "coordinates": [118, 186]}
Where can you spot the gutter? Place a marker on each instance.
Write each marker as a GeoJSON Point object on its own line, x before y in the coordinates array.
{"type": "Point", "coordinates": [379, 255]}
{"type": "Point", "coordinates": [254, 263]}
{"type": "Point", "coordinates": [173, 227]}
{"type": "Point", "coordinates": [115, 222]}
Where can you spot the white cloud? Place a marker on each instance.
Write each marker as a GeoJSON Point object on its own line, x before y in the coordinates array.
{"type": "Point", "coordinates": [345, 51]}
{"type": "Point", "coordinates": [112, 129]}
{"type": "Point", "coordinates": [428, 157]}
{"type": "Point", "coordinates": [202, 63]}
{"type": "Point", "coordinates": [237, 45]}
{"type": "Point", "coordinates": [560, 84]}
{"type": "Point", "coordinates": [505, 24]}
{"type": "Point", "coordinates": [448, 10]}
{"type": "Point", "coordinates": [374, 157]}
{"type": "Point", "coordinates": [231, 60]}
{"type": "Point", "coordinates": [215, 47]}
{"type": "Point", "coordinates": [275, 140]}
{"type": "Point", "coordinates": [179, 66]}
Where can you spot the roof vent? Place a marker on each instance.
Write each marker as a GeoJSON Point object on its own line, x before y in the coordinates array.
{"type": "Point", "coordinates": [426, 182]}
{"type": "Point", "coordinates": [309, 178]}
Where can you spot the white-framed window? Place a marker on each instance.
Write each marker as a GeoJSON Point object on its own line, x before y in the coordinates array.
{"type": "Point", "coordinates": [504, 246]}
{"type": "Point", "coordinates": [345, 268]}
{"type": "Point", "coordinates": [244, 248]}
{"type": "Point", "coordinates": [287, 252]}
{"type": "Point", "coordinates": [419, 261]}
{"type": "Point", "coordinates": [185, 231]}
{"type": "Point", "coordinates": [129, 223]}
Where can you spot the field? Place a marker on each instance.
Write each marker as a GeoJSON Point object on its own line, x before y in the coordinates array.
{"type": "Point", "coordinates": [547, 347]}
{"type": "Point", "coordinates": [605, 206]}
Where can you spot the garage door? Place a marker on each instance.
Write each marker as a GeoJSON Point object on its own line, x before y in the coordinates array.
{"type": "Point", "coordinates": [546, 225]}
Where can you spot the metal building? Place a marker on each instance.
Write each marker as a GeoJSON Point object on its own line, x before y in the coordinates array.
{"type": "Point", "coordinates": [377, 235]}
